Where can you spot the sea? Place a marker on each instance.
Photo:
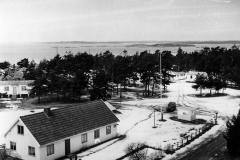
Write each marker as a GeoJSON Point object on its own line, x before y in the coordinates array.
{"type": "Point", "coordinates": [37, 51]}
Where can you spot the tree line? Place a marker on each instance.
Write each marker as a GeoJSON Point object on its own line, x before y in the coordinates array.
{"type": "Point", "coordinates": [221, 66]}
{"type": "Point", "coordinates": [73, 75]}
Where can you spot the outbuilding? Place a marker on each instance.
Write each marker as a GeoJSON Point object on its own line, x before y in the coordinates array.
{"type": "Point", "coordinates": [55, 133]}
{"type": "Point", "coordinates": [186, 113]}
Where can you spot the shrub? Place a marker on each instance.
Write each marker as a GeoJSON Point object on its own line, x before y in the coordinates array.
{"type": "Point", "coordinates": [137, 151]}
{"type": "Point", "coordinates": [171, 107]}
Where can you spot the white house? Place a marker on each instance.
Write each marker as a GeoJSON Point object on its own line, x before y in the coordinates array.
{"type": "Point", "coordinates": [55, 133]}
{"type": "Point", "coordinates": [16, 88]}
{"type": "Point", "coordinates": [186, 113]}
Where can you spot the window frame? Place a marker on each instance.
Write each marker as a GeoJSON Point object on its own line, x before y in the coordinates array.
{"type": "Point", "coordinates": [108, 130]}
{"type": "Point", "coordinates": [50, 149]}
{"type": "Point", "coordinates": [13, 145]}
{"type": "Point", "coordinates": [24, 88]}
{"type": "Point", "coordinates": [6, 88]}
{"type": "Point", "coordinates": [31, 151]}
{"type": "Point", "coordinates": [96, 133]}
{"type": "Point", "coordinates": [84, 138]}
{"type": "Point", "coordinates": [20, 129]}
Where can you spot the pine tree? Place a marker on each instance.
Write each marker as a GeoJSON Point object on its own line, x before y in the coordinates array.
{"type": "Point", "coordinates": [232, 135]}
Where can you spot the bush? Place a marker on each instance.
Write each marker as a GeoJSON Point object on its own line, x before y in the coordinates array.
{"type": "Point", "coordinates": [137, 151]}
{"type": "Point", "coordinates": [171, 107]}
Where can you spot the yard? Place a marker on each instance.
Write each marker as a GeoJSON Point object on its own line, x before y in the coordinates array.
{"type": "Point", "coordinates": [136, 120]}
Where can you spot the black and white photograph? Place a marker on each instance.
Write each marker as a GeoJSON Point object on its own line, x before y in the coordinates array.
{"type": "Point", "coordinates": [119, 80]}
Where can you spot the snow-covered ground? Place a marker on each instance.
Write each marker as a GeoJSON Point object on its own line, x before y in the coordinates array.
{"type": "Point", "coordinates": [139, 112]}
{"type": "Point", "coordinates": [8, 117]}
{"type": "Point", "coordinates": [136, 120]}
{"type": "Point", "coordinates": [137, 124]}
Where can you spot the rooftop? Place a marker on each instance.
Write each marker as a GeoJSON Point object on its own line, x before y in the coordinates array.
{"type": "Point", "coordinates": [68, 121]}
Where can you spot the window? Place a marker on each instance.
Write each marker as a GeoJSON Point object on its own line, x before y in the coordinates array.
{"type": "Point", "coordinates": [50, 149]}
{"type": "Point", "coordinates": [31, 151]}
{"type": "Point", "coordinates": [114, 126]}
{"type": "Point", "coordinates": [108, 130]}
{"type": "Point", "coordinates": [84, 138]}
{"type": "Point", "coordinates": [20, 129]}
{"type": "Point", "coordinates": [6, 88]}
{"type": "Point", "coordinates": [96, 134]}
{"type": "Point", "coordinates": [13, 146]}
{"type": "Point", "coordinates": [24, 88]}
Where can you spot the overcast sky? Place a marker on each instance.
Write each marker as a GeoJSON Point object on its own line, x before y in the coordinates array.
{"type": "Point", "coordinates": [119, 20]}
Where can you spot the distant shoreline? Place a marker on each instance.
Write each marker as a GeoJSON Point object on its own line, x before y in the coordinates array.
{"type": "Point", "coordinates": [151, 42]}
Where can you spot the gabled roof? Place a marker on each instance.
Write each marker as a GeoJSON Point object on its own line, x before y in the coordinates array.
{"type": "Point", "coordinates": [68, 121]}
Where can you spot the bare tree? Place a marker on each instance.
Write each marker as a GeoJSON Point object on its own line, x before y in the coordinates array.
{"type": "Point", "coordinates": [137, 151]}
{"type": "Point", "coordinates": [3, 152]}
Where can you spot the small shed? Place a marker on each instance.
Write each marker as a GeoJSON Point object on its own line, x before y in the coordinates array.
{"type": "Point", "coordinates": [186, 113]}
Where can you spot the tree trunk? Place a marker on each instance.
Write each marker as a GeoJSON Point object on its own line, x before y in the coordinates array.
{"type": "Point", "coordinates": [117, 89]}
{"type": "Point", "coordinates": [145, 90]}
{"type": "Point", "coordinates": [152, 89]}
{"type": "Point", "coordinates": [39, 99]}
{"type": "Point", "coordinates": [120, 91]}
{"type": "Point", "coordinates": [148, 89]}
{"type": "Point", "coordinates": [164, 87]}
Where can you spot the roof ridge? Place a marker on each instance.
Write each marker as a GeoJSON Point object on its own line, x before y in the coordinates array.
{"type": "Point", "coordinates": [75, 105]}
{"type": "Point", "coordinates": [68, 121]}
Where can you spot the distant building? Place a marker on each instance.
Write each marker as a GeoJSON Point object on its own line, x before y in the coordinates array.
{"type": "Point", "coordinates": [15, 89]}
{"type": "Point", "coordinates": [177, 76]}
{"type": "Point", "coordinates": [186, 113]}
{"type": "Point", "coordinates": [55, 133]}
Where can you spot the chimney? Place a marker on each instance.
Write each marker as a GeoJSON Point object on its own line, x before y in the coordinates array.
{"type": "Point", "coordinates": [47, 111]}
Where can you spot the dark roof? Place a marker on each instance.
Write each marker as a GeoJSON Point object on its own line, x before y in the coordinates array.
{"type": "Point", "coordinates": [68, 121]}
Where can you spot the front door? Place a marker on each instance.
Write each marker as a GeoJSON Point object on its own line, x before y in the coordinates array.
{"type": "Point", "coordinates": [67, 147]}
{"type": "Point", "coordinates": [14, 95]}
{"type": "Point", "coordinates": [14, 90]}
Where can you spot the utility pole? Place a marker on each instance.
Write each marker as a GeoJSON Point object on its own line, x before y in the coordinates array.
{"type": "Point", "coordinates": [160, 73]}
{"type": "Point", "coordinates": [154, 120]}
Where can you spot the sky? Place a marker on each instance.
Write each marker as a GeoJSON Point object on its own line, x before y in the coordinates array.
{"type": "Point", "coordinates": [118, 20]}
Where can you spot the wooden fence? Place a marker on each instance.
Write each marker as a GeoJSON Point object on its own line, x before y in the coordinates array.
{"type": "Point", "coordinates": [171, 148]}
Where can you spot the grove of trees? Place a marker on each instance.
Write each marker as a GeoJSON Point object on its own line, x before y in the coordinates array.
{"type": "Point", "coordinates": [72, 75]}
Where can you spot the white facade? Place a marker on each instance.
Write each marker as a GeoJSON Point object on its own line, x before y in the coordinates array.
{"type": "Point", "coordinates": [14, 88]}
{"type": "Point", "coordinates": [23, 141]}
{"type": "Point", "coordinates": [186, 114]}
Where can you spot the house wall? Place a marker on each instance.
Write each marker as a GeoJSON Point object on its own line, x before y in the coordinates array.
{"type": "Point", "coordinates": [22, 143]}
{"type": "Point", "coordinates": [76, 144]}
{"type": "Point", "coordinates": [18, 89]}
